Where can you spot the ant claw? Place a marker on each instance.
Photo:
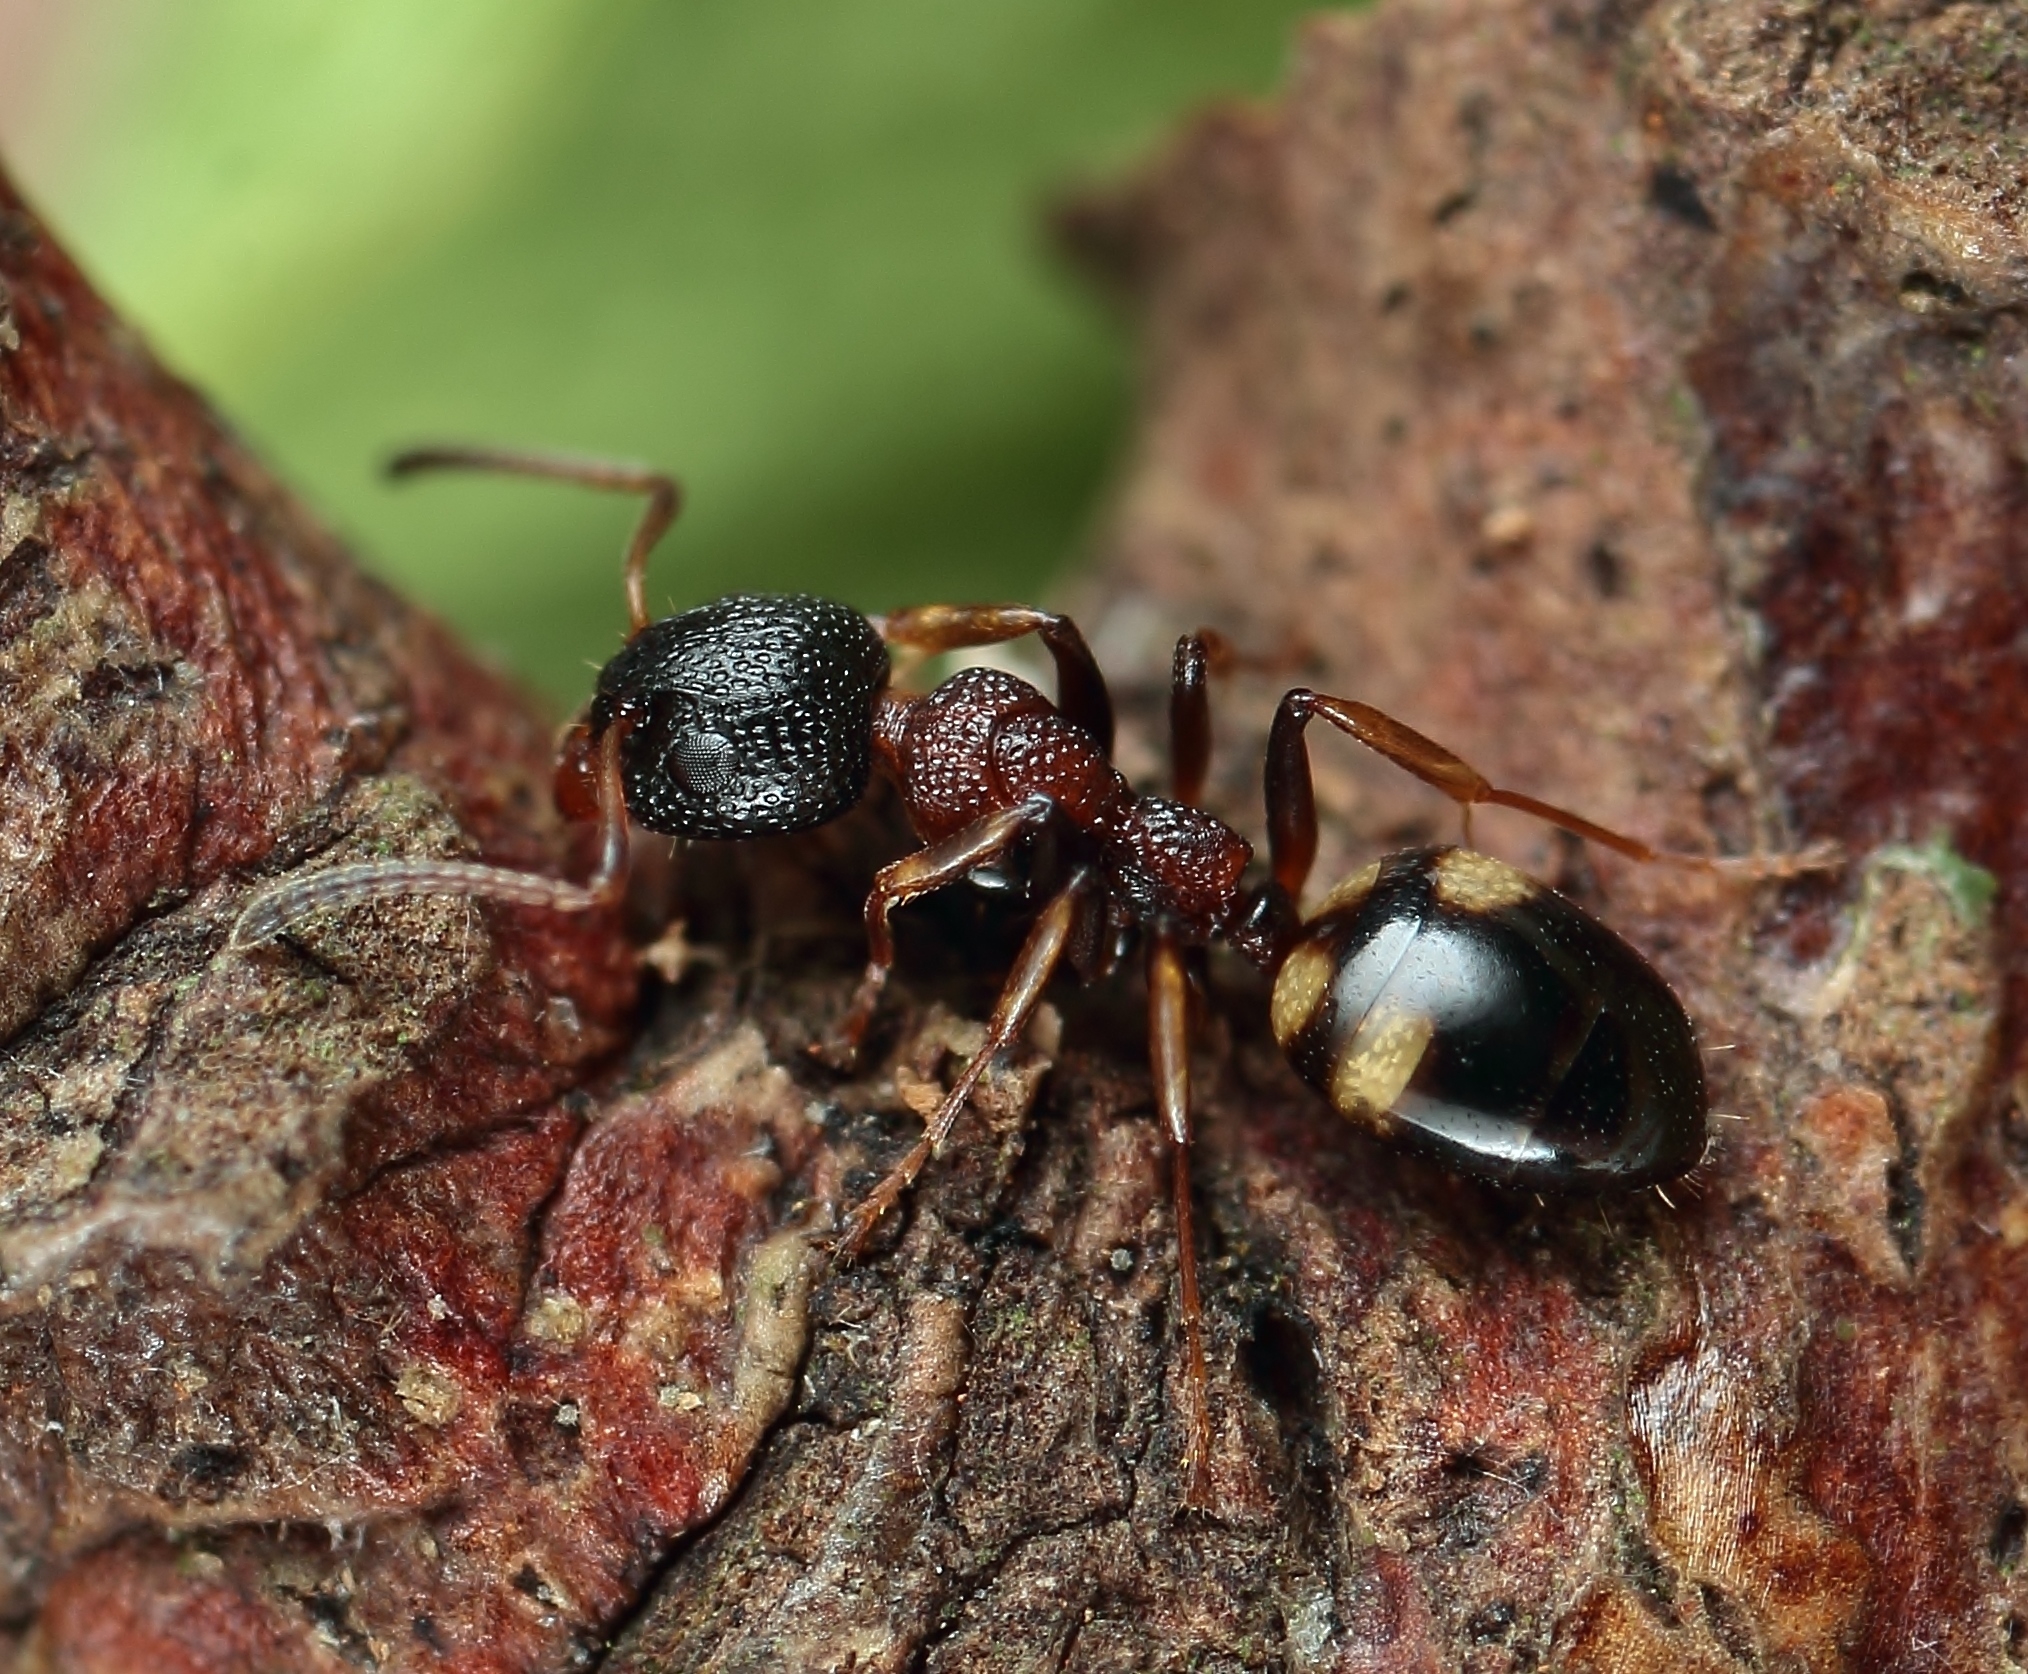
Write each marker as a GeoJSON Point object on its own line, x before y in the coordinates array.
{"type": "Point", "coordinates": [1826, 854]}
{"type": "Point", "coordinates": [836, 1051]}
{"type": "Point", "coordinates": [845, 1042]}
{"type": "Point", "coordinates": [850, 1244]}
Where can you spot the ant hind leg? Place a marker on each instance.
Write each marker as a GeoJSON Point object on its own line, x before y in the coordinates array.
{"type": "Point", "coordinates": [1292, 810]}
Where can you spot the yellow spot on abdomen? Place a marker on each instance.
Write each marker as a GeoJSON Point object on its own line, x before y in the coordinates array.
{"type": "Point", "coordinates": [1348, 893]}
{"type": "Point", "coordinates": [1377, 1063]}
{"type": "Point", "coordinates": [1477, 883]}
{"type": "Point", "coordinates": [1299, 990]}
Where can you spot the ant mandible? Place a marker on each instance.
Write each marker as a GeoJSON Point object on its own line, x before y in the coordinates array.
{"type": "Point", "coordinates": [1439, 998]}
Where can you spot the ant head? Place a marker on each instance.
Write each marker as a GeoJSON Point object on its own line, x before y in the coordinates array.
{"type": "Point", "coordinates": [745, 718]}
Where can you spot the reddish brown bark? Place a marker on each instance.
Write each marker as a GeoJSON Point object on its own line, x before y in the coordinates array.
{"type": "Point", "coordinates": [1630, 397]}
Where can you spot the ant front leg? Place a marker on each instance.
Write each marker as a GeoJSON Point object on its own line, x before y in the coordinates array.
{"type": "Point", "coordinates": [274, 909]}
{"type": "Point", "coordinates": [1048, 939]}
{"type": "Point", "coordinates": [665, 496]}
{"type": "Point", "coordinates": [1080, 688]}
{"type": "Point", "coordinates": [923, 873]}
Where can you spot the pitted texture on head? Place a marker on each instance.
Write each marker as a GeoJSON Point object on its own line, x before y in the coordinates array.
{"type": "Point", "coordinates": [746, 718]}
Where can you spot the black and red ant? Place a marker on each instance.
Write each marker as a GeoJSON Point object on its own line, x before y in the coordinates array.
{"type": "Point", "coordinates": [1440, 998]}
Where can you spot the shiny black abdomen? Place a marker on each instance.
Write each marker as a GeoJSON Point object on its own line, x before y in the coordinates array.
{"type": "Point", "coordinates": [1452, 1003]}
{"type": "Point", "coordinates": [746, 718]}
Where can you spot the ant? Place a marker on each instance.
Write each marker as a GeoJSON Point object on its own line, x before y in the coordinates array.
{"type": "Point", "coordinates": [1439, 998]}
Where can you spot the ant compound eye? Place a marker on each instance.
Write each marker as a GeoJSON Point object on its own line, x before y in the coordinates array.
{"type": "Point", "coordinates": [704, 763]}
{"type": "Point", "coordinates": [747, 717]}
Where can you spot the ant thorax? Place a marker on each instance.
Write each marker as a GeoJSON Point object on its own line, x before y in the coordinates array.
{"type": "Point", "coordinates": [985, 740]}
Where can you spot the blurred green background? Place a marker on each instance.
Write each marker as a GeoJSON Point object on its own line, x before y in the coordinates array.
{"type": "Point", "coordinates": [789, 248]}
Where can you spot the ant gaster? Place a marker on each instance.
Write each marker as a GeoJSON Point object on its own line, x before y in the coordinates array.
{"type": "Point", "coordinates": [1439, 998]}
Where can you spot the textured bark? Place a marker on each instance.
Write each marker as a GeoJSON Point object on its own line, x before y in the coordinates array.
{"type": "Point", "coordinates": [1634, 399]}
{"type": "Point", "coordinates": [1631, 397]}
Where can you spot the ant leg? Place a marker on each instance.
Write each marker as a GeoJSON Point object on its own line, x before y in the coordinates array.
{"type": "Point", "coordinates": [1292, 804]}
{"type": "Point", "coordinates": [922, 873]}
{"type": "Point", "coordinates": [1291, 801]}
{"type": "Point", "coordinates": [1292, 807]}
{"type": "Point", "coordinates": [1189, 719]}
{"type": "Point", "coordinates": [1080, 688]}
{"type": "Point", "coordinates": [1169, 1058]}
{"type": "Point", "coordinates": [665, 496]}
{"type": "Point", "coordinates": [1198, 655]}
{"type": "Point", "coordinates": [274, 909]}
{"type": "Point", "coordinates": [1047, 940]}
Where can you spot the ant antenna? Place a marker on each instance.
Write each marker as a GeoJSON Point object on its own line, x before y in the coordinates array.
{"type": "Point", "coordinates": [272, 910]}
{"type": "Point", "coordinates": [665, 495]}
